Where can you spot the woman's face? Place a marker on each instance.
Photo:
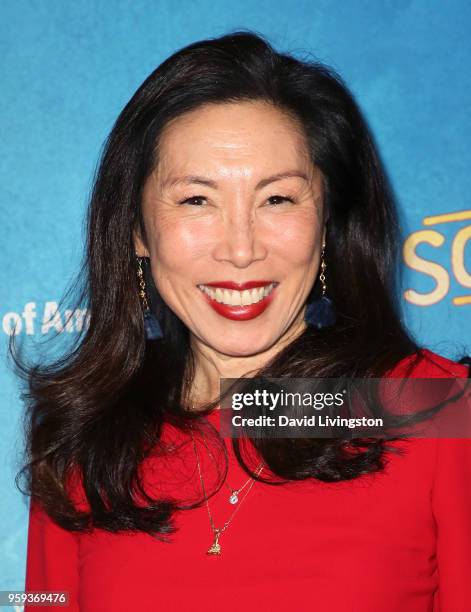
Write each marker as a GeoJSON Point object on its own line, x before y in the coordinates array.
{"type": "Point", "coordinates": [234, 199]}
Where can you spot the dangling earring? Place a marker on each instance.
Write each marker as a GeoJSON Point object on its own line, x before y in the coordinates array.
{"type": "Point", "coordinates": [152, 328]}
{"type": "Point", "coordinates": [320, 312]}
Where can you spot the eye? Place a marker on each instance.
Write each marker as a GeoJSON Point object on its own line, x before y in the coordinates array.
{"type": "Point", "coordinates": [278, 199]}
{"type": "Point", "coordinates": [194, 200]}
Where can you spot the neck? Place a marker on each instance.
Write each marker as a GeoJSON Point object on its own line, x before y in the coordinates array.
{"type": "Point", "coordinates": [212, 365]}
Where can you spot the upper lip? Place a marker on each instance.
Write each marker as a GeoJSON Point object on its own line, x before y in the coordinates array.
{"type": "Point", "coordinates": [239, 286]}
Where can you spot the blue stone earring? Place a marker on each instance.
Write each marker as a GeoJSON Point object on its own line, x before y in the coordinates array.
{"type": "Point", "coordinates": [152, 328]}
{"type": "Point", "coordinates": [320, 312]}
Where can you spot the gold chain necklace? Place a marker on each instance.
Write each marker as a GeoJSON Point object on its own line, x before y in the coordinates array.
{"type": "Point", "coordinates": [234, 497]}
{"type": "Point", "coordinates": [215, 548]}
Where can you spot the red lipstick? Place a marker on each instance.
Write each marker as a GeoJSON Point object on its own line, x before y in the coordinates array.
{"type": "Point", "coordinates": [240, 313]}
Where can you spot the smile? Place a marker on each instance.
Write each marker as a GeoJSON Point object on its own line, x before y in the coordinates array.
{"type": "Point", "coordinates": [238, 298]}
{"type": "Point", "coordinates": [239, 305]}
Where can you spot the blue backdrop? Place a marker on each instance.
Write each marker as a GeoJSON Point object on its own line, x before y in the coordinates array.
{"type": "Point", "coordinates": [67, 70]}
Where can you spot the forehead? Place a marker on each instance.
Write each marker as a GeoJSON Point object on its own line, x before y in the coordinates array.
{"type": "Point", "coordinates": [253, 135]}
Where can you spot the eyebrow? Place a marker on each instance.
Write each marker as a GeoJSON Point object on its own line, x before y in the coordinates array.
{"type": "Point", "coordinates": [200, 180]}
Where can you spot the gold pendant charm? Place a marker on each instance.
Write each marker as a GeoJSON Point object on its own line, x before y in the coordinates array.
{"type": "Point", "coordinates": [215, 548]}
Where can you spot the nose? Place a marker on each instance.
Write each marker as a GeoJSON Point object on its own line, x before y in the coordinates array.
{"type": "Point", "coordinates": [239, 241]}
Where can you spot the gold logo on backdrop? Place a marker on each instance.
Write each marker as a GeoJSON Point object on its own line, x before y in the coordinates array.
{"type": "Point", "coordinates": [435, 270]}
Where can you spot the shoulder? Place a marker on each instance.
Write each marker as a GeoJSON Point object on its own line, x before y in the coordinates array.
{"type": "Point", "coordinates": [439, 388]}
{"type": "Point", "coordinates": [424, 363]}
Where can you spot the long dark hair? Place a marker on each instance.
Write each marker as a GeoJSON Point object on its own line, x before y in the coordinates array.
{"type": "Point", "coordinates": [98, 410]}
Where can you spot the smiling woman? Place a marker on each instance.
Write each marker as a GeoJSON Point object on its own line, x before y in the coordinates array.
{"type": "Point", "coordinates": [241, 225]}
{"type": "Point", "coordinates": [224, 207]}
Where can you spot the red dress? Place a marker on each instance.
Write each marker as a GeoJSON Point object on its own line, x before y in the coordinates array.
{"type": "Point", "coordinates": [394, 541]}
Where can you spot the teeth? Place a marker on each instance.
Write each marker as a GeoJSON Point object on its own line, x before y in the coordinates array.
{"type": "Point", "coordinates": [237, 298]}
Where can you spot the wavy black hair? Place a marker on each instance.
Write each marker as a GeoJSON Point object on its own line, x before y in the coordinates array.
{"type": "Point", "coordinates": [98, 410]}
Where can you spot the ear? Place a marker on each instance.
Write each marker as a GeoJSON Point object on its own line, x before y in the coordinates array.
{"type": "Point", "coordinates": [139, 247]}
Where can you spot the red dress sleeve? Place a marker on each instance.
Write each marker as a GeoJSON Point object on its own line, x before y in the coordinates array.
{"type": "Point", "coordinates": [52, 559]}
{"type": "Point", "coordinates": [451, 505]}
{"type": "Point", "coordinates": [451, 499]}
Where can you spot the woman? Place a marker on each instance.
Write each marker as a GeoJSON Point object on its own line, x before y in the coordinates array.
{"type": "Point", "coordinates": [241, 223]}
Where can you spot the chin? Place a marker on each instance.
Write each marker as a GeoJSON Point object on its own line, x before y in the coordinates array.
{"type": "Point", "coordinates": [242, 347]}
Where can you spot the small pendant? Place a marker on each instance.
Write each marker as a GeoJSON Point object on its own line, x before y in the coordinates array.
{"type": "Point", "coordinates": [215, 548]}
{"type": "Point", "coordinates": [233, 499]}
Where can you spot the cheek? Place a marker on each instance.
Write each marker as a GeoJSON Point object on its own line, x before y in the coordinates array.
{"type": "Point", "coordinates": [294, 238]}
{"type": "Point", "coordinates": [178, 244]}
